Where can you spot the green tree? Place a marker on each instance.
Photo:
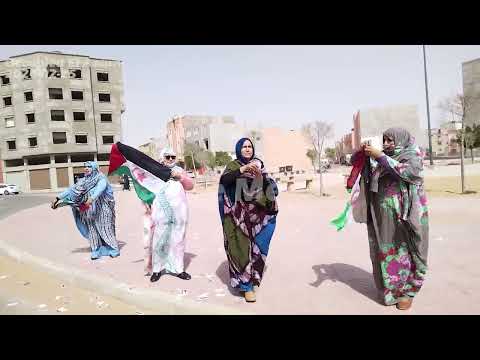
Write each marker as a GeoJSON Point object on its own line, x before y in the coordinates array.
{"type": "Point", "coordinates": [330, 153]}
{"type": "Point", "coordinates": [222, 158]}
{"type": "Point", "coordinates": [312, 155]}
{"type": "Point", "coordinates": [191, 152]}
{"type": "Point", "coordinates": [316, 133]}
{"type": "Point", "coordinates": [207, 158]}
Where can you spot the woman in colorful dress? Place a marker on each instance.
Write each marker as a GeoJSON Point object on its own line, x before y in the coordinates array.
{"type": "Point", "coordinates": [93, 206]}
{"type": "Point", "coordinates": [248, 211]}
{"type": "Point", "coordinates": [397, 219]}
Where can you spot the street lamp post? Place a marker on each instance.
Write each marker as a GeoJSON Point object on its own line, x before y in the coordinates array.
{"type": "Point", "coordinates": [428, 107]}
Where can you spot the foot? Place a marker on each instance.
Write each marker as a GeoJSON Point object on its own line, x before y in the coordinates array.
{"type": "Point", "coordinates": [184, 276]}
{"type": "Point", "coordinates": [404, 304]}
{"type": "Point", "coordinates": [155, 276]}
{"type": "Point", "coordinates": [250, 296]}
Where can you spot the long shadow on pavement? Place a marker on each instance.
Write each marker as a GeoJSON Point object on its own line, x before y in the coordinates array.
{"type": "Point", "coordinates": [188, 259]}
{"type": "Point", "coordinates": [223, 274]}
{"type": "Point", "coordinates": [358, 279]}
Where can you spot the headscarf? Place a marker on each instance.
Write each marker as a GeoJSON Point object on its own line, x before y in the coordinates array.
{"type": "Point", "coordinates": [81, 189]}
{"type": "Point", "coordinates": [404, 142]}
{"type": "Point", "coordinates": [406, 151]}
{"type": "Point", "coordinates": [238, 151]}
{"type": "Point", "coordinates": [167, 151]}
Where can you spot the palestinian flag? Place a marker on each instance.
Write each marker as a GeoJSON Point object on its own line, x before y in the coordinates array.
{"type": "Point", "coordinates": [148, 175]}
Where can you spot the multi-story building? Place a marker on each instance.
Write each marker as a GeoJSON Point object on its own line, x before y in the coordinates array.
{"type": "Point", "coordinates": [471, 90]}
{"type": "Point", "coordinates": [213, 133]}
{"type": "Point", "coordinates": [153, 147]}
{"type": "Point", "coordinates": [444, 139]}
{"type": "Point", "coordinates": [57, 111]}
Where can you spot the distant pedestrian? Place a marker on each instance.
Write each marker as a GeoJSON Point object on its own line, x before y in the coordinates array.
{"type": "Point", "coordinates": [248, 211]}
{"type": "Point", "coordinates": [126, 182]}
{"type": "Point", "coordinates": [93, 206]}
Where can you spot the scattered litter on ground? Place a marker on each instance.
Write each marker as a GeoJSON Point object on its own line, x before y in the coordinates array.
{"type": "Point", "coordinates": [24, 283]}
{"type": "Point", "coordinates": [12, 304]}
{"type": "Point", "coordinates": [203, 296]}
{"type": "Point", "coordinates": [41, 306]}
{"type": "Point", "coordinates": [139, 313]}
{"type": "Point", "coordinates": [62, 309]}
{"type": "Point", "coordinates": [220, 294]}
{"type": "Point", "coordinates": [3, 277]}
{"type": "Point", "coordinates": [58, 297]}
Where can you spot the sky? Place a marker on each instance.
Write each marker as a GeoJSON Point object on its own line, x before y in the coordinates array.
{"type": "Point", "coordinates": [273, 86]}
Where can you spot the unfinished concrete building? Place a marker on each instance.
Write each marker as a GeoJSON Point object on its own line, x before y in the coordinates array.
{"type": "Point", "coordinates": [57, 111]}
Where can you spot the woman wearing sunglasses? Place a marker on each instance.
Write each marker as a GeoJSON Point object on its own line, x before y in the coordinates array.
{"type": "Point", "coordinates": [165, 223]}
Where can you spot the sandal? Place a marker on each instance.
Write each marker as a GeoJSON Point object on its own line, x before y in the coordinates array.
{"type": "Point", "coordinates": [405, 304]}
{"type": "Point", "coordinates": [184, 276]}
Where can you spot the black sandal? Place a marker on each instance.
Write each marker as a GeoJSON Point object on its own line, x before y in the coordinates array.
{"type": "Point", "coordinates": [157, 276]}
{"type": "Point", "coordinates": [184, 276]}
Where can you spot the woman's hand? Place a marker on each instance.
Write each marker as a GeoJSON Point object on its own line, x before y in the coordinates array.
{"type": "Point", "coordinates": [177, 175]}
{"type": "Point", "coordinates": [250, 168]}
{"type": "Point", "coordinates": [372, 152]}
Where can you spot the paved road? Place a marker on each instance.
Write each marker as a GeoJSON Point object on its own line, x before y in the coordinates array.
{"type": "Point", "coordinates": [312, 269]}
{"type": "Point", "coordinates": [13, 203]}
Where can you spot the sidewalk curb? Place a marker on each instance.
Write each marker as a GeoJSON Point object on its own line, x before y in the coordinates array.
{"type": "Point", "coordinates": [154, 300]}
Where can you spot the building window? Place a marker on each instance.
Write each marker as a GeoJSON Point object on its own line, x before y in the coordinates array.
{"type": "Point", "coordinates": [102, 97]}
{"type": "Point", "coordinates": [106, 117]}
{"type": "Point", "coordinates": [77, 95]}
{"type": "Point", "coordinates": [30, 118]}
{"type": "Point", "coordinates": [81, 139]}
{"type": "Point", "coordinates": [61, 159]}
{"type": "Point", "coordinates": [9, 122]}
{"type": "Point", "coordinates": [14, 163]}
{"type": "Point", "coordinates": [26, 74]}
{"type": "Point", "coordinates": [11, 145]}
{"type": "Point", "coordinates": [59, 137]}
{"type": "Point", "coordinates": [81, 158]}
{"type": "Point", "coordinates": [75, 74]}
{"type": "Point", "coordinates": [79, 115]}
{"type": "Point", "coordinates": [102, 76]}
{"type": "Point", "coordinates": [28, 96]}
{"type": "Point", "coordinates": [53, 71]}
{"type": "Point", "coordinates": [55, 93]}
{"type": "Point", "coordinates": [57, 115]}
{"type": "Point", "coordinates": [5, 79]}
{"type": "Point", "coordinates": [7, 101]}
{"type": "Point", "coordinates": [107, 139]}
{"type": "Point", "coordinates": [32, 141]}
{"type": "Point", "coordinates": [103, 157]}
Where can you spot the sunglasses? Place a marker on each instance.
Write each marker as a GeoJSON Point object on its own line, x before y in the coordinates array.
{"type": "Point", "coordinates": [170, 157]}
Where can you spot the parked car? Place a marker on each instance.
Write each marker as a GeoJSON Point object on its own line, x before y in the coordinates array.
{"type": "Point", "coordinates": [7, 189]}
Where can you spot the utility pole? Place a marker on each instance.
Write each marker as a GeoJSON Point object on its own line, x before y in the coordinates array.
{"type": "Point", "coordinates": [428, 107]}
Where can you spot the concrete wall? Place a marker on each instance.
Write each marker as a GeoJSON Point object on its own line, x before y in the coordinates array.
{"type": "Point", "coordinates": [374, 121]}
{"type": "Point", "coordinates": [283, 148]}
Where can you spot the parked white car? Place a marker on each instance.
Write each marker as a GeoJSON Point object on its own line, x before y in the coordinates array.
{"type": "Point", "coordinates": [7, 189]}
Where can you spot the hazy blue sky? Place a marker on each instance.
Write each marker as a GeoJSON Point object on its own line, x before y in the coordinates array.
{"type": "Point", "coordinates": [282, 86]}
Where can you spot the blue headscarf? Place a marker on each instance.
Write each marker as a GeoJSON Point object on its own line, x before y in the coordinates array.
{"type": "Point", "coordinates": [238, 150]}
